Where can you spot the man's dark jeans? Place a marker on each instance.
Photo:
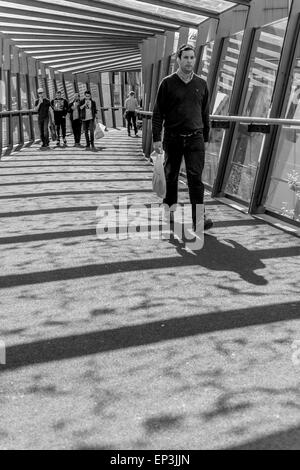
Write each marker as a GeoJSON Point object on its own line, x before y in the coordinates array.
{"type": "Point", "coordinates": [89, 130]}
{"type": "Point", "coordinates": [60, 123]}
{"type": "Point", "coordinates": [193, 150]}
{"type": "Point", "coordinates": [44, 131]}
{"type": "Point", "coordinates": [76, 126]}
{"type": "Point", "coordinates": [131, 117]}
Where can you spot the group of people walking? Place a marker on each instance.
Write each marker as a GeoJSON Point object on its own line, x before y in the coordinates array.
{"type": "Point", "coordinates": [83, 113]}
{"type": "Point", "coordinates": [180, 127]}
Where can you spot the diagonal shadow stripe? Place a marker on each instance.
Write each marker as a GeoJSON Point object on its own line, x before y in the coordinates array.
{"type": "Point", "coordinates": [54, 210]}
{"type": "Point", "coordinates": [61, 210]}
{"type": "Point", "coordinates": [70, 347]}
{"type": "Point", "coordinates": [47, 236]}
{"type": "Point", "coordinates": [33, 173]}
{"type": "Point", "coordinates": [117, 165]}
{"type": "Point", "coordinates": [34, 237]}
{"type": "Point", "coordinates": [284, 440]}
{"type": "Point", "coordinates": [73, 181]}
{"type": "Point", "coordinates": [213, 257]}
{"type": "Point", "coordinates": [72, 193]}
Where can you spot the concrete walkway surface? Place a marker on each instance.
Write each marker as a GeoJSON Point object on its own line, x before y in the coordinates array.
{"type": "Point", "coordinates": [137, 343]}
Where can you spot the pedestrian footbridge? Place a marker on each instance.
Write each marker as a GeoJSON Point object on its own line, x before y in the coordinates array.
{"type": "Point", "coordinates": [136, 343]}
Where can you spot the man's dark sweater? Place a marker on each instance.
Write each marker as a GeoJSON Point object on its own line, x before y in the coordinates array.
{"type": "Point", "coordinates": [43, 110]}
{"type": "Point", "coordinates": [183, 108]}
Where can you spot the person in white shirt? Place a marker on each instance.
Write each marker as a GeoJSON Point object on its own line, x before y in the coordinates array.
{"type": "Point", "coordinates": [131, 105]}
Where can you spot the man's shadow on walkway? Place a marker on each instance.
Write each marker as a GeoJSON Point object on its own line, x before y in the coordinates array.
{"type": "Point", "coordinates": [218, 256]}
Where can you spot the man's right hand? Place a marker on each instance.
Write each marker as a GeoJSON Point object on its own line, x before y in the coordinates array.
{"type": "Point", "coordinates": [157, 147]}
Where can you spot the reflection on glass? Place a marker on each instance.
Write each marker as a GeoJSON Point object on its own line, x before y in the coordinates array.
{"type": "Point", "coordinates": [13, 90]}
{"type": "Point", "coordinates": [33, 91]}
{"type": "Point", "coordinates": [70, 90]}
{"type": "Point", "coordinates": [284, 191]}
{"type": "Point", "coordinates": [23, 91]}
{"type": "Point", "coordinates": [51, 88]}
{"type": "Point", "coordinates": [214, 5]}
{"type": "Point", "coordinates": [26, 128]}
{"type": "Point", "coordinates": [60, 87]}
{"type": "Point", "coordinates": [107, 98]}
{"type": "Point", "coordinates": [260, 84]}
{"type": "Point", "coordinates": [193, 34]}
{"type": "Point", "coordinates": [206, 60]}
{"type": "Point", "coordinates": [135, 6]}
{"type": "Point", "coordinates": [225, 81]}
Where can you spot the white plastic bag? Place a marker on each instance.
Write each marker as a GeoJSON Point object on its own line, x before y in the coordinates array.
{"type": "Point", "coordinates": [99, 131]}
{"type": "Point", "coordinates": [159, 178]}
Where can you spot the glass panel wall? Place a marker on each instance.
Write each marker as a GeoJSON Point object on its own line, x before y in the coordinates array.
{"type": "Point", "coordinates": [4, 106]}
{"type": "Point", "coordinates": [25, 105]}
{"type": "Point", "coordinates": [82, 89]}
{"type": "Point", "coordinates": [118, 99]}
{"type": "Point", "coordinates": [60, 87]}
{"type": "Point", "coordinates": [33, 97]}
{"type": "Point", "coordinates": [51, 88]}
{"type": "Point", "coordinates": [94, 87]}
{"type": "Point", "coordinates": [70, 90]}
{"type": "Point", "coordinates": [106, 98]}
{"type": "Point", "coordinates": [205, 60]}
{"type": "Point", "coordinates": [14, 107]}
{"type": "Point", "coordinates": [284, 191]}
{"type": "Point", "coordinates": [260, 84]}
{"type": "Point", "coordinates": [225, 81]}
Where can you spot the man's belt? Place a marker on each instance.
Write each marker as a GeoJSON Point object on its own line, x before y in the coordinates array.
{"type": "Point", "coordinates": [187, 134]}
{"type": "Point", "coordinates": [190, 134]}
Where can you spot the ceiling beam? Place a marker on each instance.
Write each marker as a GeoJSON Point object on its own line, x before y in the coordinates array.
{"type": "Point", "coordinates": [67, 35]}
{"type": "Point", "coordinates": [40, 48]}
{"type": "Point", "coordinates": [211, 13]}
{"type": "Point", "coordinates": [94, 8]}
{"type": "Point", "coordinates": [74, 53]}
{"type": "Point", "coordinates": [62, 42]}
{"type": "Point", "coordinates": [90, 63]}
{"type": "Point", "coordinates": [86, 18]}
{"type": "Point", "coordinates": [52, 27]}
{"type": "Point", "coordinates": [86, 60]}
{"type": "Point", "coordinates": [84, 53]}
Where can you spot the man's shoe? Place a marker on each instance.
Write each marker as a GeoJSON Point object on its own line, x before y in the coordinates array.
{"type": "Point", "coordinates": [208, 223]}
{"type": "Point", "coordinates": [65, 142]}
{"type": "Point", "coordinates": [58, 143]}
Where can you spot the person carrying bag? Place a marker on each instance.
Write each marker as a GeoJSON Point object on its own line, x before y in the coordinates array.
{"type": "Point", "coordinates": [159, 179]}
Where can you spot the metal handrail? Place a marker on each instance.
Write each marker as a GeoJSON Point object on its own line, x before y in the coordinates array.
{"type": "Point", "coordinates": [213, 117]}
{"type": "Point", "coordinates": [244, 119]}
{"type": "Point", "coordinates": [17, 112]}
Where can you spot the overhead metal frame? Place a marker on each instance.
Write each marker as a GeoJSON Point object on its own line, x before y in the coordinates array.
{"type": "Point", "coordinates": [116, 26]}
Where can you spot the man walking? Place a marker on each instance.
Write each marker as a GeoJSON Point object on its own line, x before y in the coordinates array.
{"type": "Point", "coordinates": [42, 106]}
{"type": "Point", "coordinates": [60, 108]}
{"type": "Point", "coordinates": [74, 110]}
{"type": "Point", "coordinates": [131, 105]}
{"type": "Point", "coordinates": [88, 115]}
{"type": "Point", "coordinates": [182, 106]}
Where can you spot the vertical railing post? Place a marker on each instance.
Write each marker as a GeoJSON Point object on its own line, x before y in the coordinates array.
{"type": "Point", "coordinates": [112, 97]}
{"type": "Point", "coordinates": [103, 118]}
{"type": "Point", "coordinates": [20, 118]}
